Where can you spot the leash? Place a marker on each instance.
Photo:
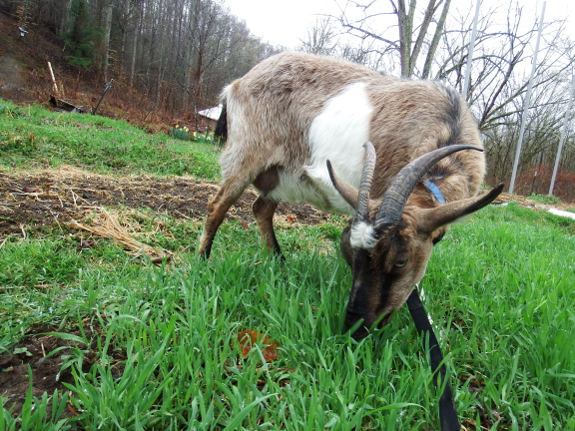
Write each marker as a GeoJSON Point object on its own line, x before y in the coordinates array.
{"type": "Point", "coordinates": [447, 413]}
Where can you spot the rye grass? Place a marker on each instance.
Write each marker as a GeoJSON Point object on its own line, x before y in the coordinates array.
{"type": "Point", "coordinates": [32, 137]}
{"type": "Point", "coordinates": [499, 288]}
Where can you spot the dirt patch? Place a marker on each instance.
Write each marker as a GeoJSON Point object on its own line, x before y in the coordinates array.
{"type": "Point", "coordinates": [31, 200]}
{"type": "Point", "coordinates": [45, 355]}
{"type": "Point", "coordinates": [529, 203]}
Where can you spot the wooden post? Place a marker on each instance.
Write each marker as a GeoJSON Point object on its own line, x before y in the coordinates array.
{"type": "Point", "coordinates": [54, 85]}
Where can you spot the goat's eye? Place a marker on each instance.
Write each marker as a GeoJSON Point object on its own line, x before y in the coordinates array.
{"type": "Point", "coordinates": [400, 263]}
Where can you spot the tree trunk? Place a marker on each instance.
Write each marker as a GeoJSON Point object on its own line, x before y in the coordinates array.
{"type": "Point", "coordinates": [134, 46]}
{"type": "Point", "coordinates": [64, 18]}
{"type": "Point", "coordinates": [405, 24]}
{"type": "Point", "coordinates": [107, 31]}
{"type": "Point", "coordinates": [435, 41]}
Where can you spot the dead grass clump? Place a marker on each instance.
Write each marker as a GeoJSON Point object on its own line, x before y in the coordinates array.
{"type": "Point", "coordinates": [106, 224]}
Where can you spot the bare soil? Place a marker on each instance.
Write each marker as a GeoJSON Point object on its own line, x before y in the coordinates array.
{"type": "Point", "coordinates": [31, 200]}
{"type": "Point", "coordinates": [44, 198]}
{"type": "Point", "coordinates": [48, 375]}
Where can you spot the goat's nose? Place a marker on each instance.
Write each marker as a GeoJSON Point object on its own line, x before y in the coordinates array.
{"type": "Point", "coordinates": [351, 318]}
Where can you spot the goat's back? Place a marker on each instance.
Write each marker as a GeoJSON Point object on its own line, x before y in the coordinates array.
{"type": "Point", "coordinates": [294, 110]}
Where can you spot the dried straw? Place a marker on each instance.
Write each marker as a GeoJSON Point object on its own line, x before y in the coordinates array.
{"type": "Point", "coordinates": [107, 225]}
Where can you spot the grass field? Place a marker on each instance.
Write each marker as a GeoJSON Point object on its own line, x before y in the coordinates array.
{"type": "Point", "coordinates": [157, 347]}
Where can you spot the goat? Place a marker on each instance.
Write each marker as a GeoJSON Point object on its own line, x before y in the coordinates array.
{"type": "Point", "coordinates": [295, 126]}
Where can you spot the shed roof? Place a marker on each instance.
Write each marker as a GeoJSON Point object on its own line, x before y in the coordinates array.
{"type": "Point", "coordinates": [211, 113]}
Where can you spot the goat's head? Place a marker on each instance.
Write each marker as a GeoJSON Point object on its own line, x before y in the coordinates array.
{"type": "Point", "coordinates": [388, 244]}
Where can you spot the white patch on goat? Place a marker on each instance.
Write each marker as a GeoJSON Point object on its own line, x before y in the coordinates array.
{"type": "Point", "coordinates": [362, 236]}
{"type": "Point", "coordinates": [337, 134]}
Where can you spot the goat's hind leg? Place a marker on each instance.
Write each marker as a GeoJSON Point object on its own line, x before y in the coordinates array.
{"type": "Point", "coordinates": [264, 210]}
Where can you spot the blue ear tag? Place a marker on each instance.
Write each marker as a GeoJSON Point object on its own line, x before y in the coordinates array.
{"type": "Point", "coordinates": [435, 190]}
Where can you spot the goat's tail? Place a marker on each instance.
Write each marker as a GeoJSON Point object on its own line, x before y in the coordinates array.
{"type": "Point", "coordinates": [221, 131]}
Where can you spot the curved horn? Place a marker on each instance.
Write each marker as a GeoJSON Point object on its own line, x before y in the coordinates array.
{"type": "Point", "coordinates": [405, 181]}
{"type": "Point", "coordinates": [358, 199]}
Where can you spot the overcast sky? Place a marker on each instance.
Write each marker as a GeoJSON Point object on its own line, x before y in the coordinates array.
{"type": "Point", "coordinates": [280, 22]}
{"type": "Point", "coordinates": [285, 22]}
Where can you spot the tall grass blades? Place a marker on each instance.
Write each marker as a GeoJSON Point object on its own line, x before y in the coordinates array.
{"type": "Point", "coordinates": [160, 347]}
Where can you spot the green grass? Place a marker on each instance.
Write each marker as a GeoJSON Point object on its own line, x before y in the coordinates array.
{"type": "Point", "coordinates": [499, 288]}
{"type": "Point", "coordinates": [35, 137]}
{"type": "Point", "coordinates": [544, 199]}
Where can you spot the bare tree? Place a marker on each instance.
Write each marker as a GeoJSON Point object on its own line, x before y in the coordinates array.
{"type": "Point", "coordinates": [173, 51]}
{"type": "Point", "coordinates": [321, 38]}
{"type": "Point", "coordinates": [499, 80]}
{"type": "Point", "coordinates": [502, 53]}
{"type": "Point", "coordinates": [432, 41]}
{"type": "Point", "coordinates": [108, 11]}
{"type": "Point", "coordinates": [416, 31]}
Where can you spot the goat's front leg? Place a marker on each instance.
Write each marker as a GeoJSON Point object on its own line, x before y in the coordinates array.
{"type": "Point", "coordinates": [264, 210]}
{"type": "Point", "coordinates": [217, 210]}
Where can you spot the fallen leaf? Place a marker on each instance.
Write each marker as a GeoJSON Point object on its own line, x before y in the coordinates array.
{"type": "Point", "coordinates": [248, 338]}
{"type": "Point", "coordinates": [86, 244]}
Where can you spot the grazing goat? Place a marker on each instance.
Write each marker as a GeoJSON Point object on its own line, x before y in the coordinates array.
{"type": "Point", "coordinates": [296, 126]}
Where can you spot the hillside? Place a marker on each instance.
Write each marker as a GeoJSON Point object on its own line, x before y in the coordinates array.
{"type": "Point", "coordinates": [25, 78]}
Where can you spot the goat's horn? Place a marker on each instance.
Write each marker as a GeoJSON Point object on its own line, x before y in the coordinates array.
{"type": "Point", "coordinates": [405, 181]}
{"type": "Point", "coordinates": [362, 208]}
{"type": "Point", "coordinates": [358, 199]}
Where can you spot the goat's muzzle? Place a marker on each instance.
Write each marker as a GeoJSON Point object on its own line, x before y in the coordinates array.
{"type": "Point", "coordinates": [367, 321]}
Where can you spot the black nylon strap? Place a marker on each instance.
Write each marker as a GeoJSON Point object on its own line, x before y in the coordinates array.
{"type": "Point", "coordinates": [447, 413]}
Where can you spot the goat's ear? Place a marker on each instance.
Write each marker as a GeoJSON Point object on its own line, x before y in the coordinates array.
{"type": "Point", "coordinates": [347, 191]}
{"type": "Point", "coordinates": [432, 219]}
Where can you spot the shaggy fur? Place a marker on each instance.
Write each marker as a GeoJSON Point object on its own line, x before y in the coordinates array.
{"type": "Point", "coordinates": [292, 112]}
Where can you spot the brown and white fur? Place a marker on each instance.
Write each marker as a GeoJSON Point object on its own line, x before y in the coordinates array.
{"type": "Point", "coordinates": [293, 112]}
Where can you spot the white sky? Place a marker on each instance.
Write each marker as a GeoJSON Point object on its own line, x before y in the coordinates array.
{"type": "Point", "coordinates": [280, 22]}
{"type": "Point", "coordinates": [285, 22]}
